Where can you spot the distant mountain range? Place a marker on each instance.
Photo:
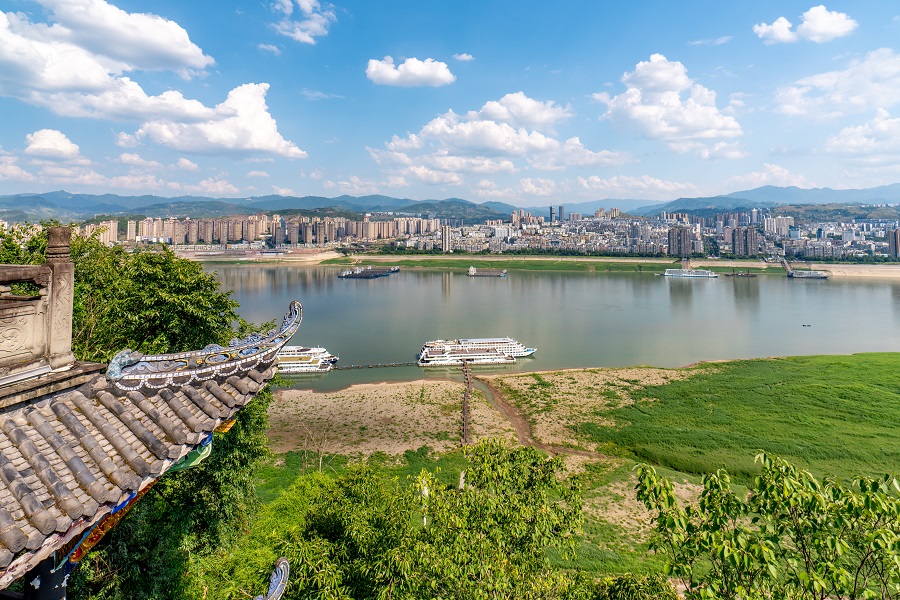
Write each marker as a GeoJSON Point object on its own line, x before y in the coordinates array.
{"type": "Point", "coordinates": [67, 207]}
{"type": "Point", "coordinates": [770, 196]}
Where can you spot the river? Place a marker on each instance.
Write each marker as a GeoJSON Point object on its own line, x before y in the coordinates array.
{"type": "Point", "coordinates": [575, 320]}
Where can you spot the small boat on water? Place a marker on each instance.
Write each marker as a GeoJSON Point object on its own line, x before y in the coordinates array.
{"type": "Point", "coordinates": [473, 272]}
{"type": "Point", "coordinates": [367, 272]}
{"type": "Point", "coordinates": [300, 359]}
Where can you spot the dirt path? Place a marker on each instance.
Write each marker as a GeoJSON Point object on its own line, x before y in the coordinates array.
{"type": "Point", "coordinates": [523, 427]}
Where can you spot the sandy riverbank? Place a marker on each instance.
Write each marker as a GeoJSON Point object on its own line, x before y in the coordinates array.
{"type": "Point", "coordinates": [386, 417]}
{"type": "Point", "coordinates": [311, 257]}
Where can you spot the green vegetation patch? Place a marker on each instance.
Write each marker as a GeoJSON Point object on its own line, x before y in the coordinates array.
{"type": "Point", "coordinates": [832, 414]}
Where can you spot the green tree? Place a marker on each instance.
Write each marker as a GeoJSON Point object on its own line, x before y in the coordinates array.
{"type": "Point", "coordinates": [155, 302]}
{"type": "Point", "coordinates": [367, 535]}
{"type": "Point", "coordinates": [792, 536]}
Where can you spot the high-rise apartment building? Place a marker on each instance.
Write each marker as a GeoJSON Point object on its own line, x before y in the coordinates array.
{"type": "Point", "coordinates": [894, 243]}
{"type": "Point", "coordinates": [446, 239]}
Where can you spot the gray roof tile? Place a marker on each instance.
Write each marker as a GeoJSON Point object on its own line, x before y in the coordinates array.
{"type": "Point", "coordinates": [69, 458]}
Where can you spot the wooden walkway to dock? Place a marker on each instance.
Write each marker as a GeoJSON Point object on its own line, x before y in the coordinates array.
{"type": "Point", "coordinates": [467, 371]}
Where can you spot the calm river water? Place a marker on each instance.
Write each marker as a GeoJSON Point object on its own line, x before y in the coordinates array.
{"type": "Point", "coordinates": [573, 319]}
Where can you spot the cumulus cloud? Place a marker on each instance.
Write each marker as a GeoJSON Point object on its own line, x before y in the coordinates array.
{"type": "Point", "coordinates": [53, 144]}
{"type": "Point", "coordinates": [818, 24]}
{"type": "Point", "coordinates": [521, 111]}
{"type": "Point", "coordinates": [250, 128]}
{"type": "Point", "coordinates": [464, 57]}
{"type": "Point", "coordinates": [491, 140]}
{"type": "Point", "coordinates": [770, 174]}
{"type": "Point", "coordinates": [134, 40]}
{"type": "Point", "coordinates": [410, 73]}
{"type": "Point", "coordinates": [645, 186]}
{"type": "Point", "coordinates": [313, 23]}
{"type": "Point", "coordinates": [75, 67]}
{"type": "Point", "coordinates": [214, 187]}
{"type": "Point", "coordinates": [11, 171]}
{"type": "Point", "coordinates": [664, 104]}
{"type": "Point", "coordinates": [865, 84]}
{"type": "Point", "coordinates": [529, 186]}
{"type": "Point", "coordinates": [257, 174]}
{"type": "Point", "coordinates": [874, 143]}
{"type": "Point", "coordinates": [135, 160]}
{"type": "Point", "coordinates": [186, 165]}
{"type": "Point", "coordinates": [357, 186]}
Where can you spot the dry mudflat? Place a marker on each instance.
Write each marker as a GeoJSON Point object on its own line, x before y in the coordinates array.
{"type": "Point", "coordinates": [380, 417]}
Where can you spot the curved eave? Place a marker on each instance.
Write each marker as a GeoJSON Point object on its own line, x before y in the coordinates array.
{"type": "Point", "coordinates": [70, 459]}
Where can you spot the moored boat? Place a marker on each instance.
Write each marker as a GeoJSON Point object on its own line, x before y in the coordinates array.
{"type": "Point", "coordinates": [693, 273]}
{"type": "Point", "coordinates": [301, 359]}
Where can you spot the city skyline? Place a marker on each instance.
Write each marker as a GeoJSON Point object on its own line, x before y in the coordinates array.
{"type": "Point", "coordinates": [526, 104]}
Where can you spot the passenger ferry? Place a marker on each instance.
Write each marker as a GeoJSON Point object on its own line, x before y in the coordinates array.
{"type": "Point", "coordinates": [300, 359]}
{"type": "Point", "coordinates": [703, 273]}
{"type": "Point", "coordinates": [444, 356]}
{"type": "Point", "coordinates": [505, 345]}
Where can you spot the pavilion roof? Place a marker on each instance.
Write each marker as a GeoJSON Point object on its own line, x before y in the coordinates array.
{"type": "Point", "coordinates": [70, 455]}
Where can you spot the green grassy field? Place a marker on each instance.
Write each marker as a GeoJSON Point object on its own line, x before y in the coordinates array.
{"type": "Point", "coordinates": [836, 415]}
{"type": "Point", "coordinates": [562, 263]}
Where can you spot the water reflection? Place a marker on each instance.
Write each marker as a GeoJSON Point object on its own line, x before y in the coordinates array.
{"type": "Point", "coordinates": [574, 319]}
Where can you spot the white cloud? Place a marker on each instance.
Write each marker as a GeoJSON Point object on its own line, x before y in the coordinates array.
{"type": "Point", "coordinates": [572, 153]}
{"type": "Point", "coordinates": [53, 144]}
{"type": "Point", "coordinates": [778, 32]}
{"type": "Point", "coordinates": [423, 173]}
{"type": "Point", "coordinates": [521, 111]}
{"type": "Point", "coordinates": [11, 171]}
{"type": "Point", "coordinates": [655, 106]}
{"type": "Point", "coordinates": [724, 150]}
{"type": "Point", "coordinates": [126, 140]}
{"type": "Point", "coordinates": [865, 84]}
{"type": "Point", "coordinates": [818, 24]}
{"type": "Point", "coordinates": [464, 57]}
{"type": "Point", "coordinates": [411, 73]}
{"type": "Point", "coordinates": [528, 186]}
{"type": "Point", "coordinates": [70, 175]}
{"type": "Point", "coordinates": [712, 42]}
{"type": "Point", "coordinates": [136, 181]}
{"type": "Point", "coordinates": [135, 160]}
{"type": "Point", "coordinates": [313, 23]}
{"type": "Point", "coordinates": [317, 95]}
{"type": "Point", "coordinates": [283, 191]}
{"type": "Point", "coordinates": [623, 186]}
{"type": "Point", "coordinates": [354, 186]}
{"type": "Point", "coordinates": [250, 128]}
{"type": "Point", "coordinates": [770, 174]}
{"type": "Point", "coordinates": [487, 141]}
{"type": "Point", "coordinates": [138, 40]}
{"type": "Point", "coordinates": [66, 66]}
{"type": "Point", "coordinates": [186, 165]}
{"type": "Point", "coordinates": [216, 187]}
{"type": "Point", "coordinates": [874, 143]}
{"type": "Point", "coordinates": [257, 174]}
{"type": "Point", "coordinates": [270, 48]}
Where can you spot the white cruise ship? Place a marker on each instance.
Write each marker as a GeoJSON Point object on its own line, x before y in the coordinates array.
{"type": "Point", "coordinates": [505, 345]}
{"type": "Point", "coordinates": [702, 273]}
{"type": "Point", "coordinates": [300, 359]}
{"type": "Point", "coordinates": [445, 356]}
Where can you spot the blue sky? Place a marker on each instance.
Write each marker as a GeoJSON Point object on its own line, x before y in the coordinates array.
{"type": "Point", "coordinates": [522, 102]}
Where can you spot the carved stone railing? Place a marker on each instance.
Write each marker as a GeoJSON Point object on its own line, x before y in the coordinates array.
{"type": "Point", "coordinates": [36, 329]}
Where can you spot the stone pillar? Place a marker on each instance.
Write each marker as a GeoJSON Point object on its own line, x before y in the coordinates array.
{"type": "Point", "coordinates": [62, 284]}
